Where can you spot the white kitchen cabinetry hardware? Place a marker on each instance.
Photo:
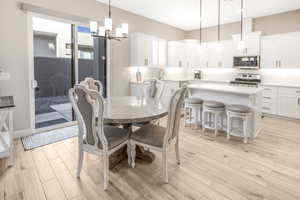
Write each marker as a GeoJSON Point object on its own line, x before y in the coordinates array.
{"type": "Point", "coordinates": [252, 44]}
{"type": "Point", "coordinates": [280, 51]}
{"type": "Point", "coordinates": [146, 50]}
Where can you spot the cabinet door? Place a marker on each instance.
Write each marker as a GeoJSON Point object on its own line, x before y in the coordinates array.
{"type": "Point", "coordinates": [289, 51]}
{"type": "Point", "coordinates": [162, 52]}
{"type": "Point", "coordinates": [288, 105]}
{"type": "Point", "coordinates": [214, 55]}
{"type": "Point", "coordinates": [252, 42]}
{"type": "Point", "coordinates": [176, 54]}
{"type": "Point", "coordinates": [227, 54]}
{"type": "Point", "coordinates": [269, 52]}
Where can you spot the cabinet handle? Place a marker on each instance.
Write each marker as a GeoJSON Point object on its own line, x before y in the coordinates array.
{"type": "Point", "coordinates": [267, 97]}
{"type": "Point", "coordinates": [276, 65]}
{"type": "Point", "coordinates": [297, 91]}
{"type": "Point", "coordinates": [268, 89]}
{"type": "Point", "coordinates": [298, 101]}
{"type": "Point", "coordinates": [180, 64]}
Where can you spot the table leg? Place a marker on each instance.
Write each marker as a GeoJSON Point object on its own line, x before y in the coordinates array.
{"type": "Point", "coordinates": [120, 155]}
{"type": "Point", "coordinates": [11, 138]}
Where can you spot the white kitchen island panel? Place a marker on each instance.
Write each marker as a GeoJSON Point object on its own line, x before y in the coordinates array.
{"type": "Point", "coordinates": [228, 94]}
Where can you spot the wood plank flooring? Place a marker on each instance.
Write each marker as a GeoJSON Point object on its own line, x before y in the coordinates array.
{"type": "Point", "coordinates": [268, 168]}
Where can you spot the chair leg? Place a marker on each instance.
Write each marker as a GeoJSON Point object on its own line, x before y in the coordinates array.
{"type": "Point", "coordinates": [80, 162]}
{"type": "Point", "coordinates": [106, 170]}
{"type": "Point", "coordinates": [133, 153]}
{"type": "Point", "coordinates": [177, 152]}
{"type": "Point", "coordinates": [165, 166]}
{"type": "Point", "coordinates": [129, 153]}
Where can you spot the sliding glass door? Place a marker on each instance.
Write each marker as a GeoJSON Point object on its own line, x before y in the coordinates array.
{"type": "Point", "coordinates": [57, 66]}
{"type": "Point", "coordinates": [91, 56]}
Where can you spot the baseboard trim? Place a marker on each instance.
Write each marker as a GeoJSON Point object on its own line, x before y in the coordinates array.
{"type": "Point", "coordinates": [28, 132]}
{"type": "Point", "coordinates": [23, 133]}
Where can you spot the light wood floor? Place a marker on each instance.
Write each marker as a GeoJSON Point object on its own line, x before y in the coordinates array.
{"type": "Point", "coordinates": [268, 168]}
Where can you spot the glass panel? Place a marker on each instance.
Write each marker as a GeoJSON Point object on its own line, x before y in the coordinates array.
{"type": "Point", "coordinates": [52, 71]}
{"type": "Point", "coordinates": [91, 57]}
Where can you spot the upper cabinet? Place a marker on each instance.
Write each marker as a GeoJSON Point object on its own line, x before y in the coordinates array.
{"type": "Point", "coordinates": [280, 51]}
{"type": "Point", "coordinates": [176, 54]}
{"type": "Point", "coordinates": [189, 54]}
{"type": "Point", "coordinates": [252, 44]}
{"type": "Point", "coordinates": [146, 50]}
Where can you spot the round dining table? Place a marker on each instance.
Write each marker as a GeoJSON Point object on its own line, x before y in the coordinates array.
{"type": "Point", "coordinates": [128, 111]}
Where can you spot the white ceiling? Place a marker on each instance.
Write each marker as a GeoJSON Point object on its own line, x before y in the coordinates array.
{"type": "Point", "coordinates": [184, 14]}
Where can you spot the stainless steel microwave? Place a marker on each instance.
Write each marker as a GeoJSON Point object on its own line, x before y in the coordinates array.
{"type": "Point", "coordinates": [246, 62]}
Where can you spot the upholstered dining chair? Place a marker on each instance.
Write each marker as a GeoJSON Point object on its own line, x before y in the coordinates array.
{"type": "Point", "coordinates": [155, 88]}
{"type": "Point", "coordinates": [159, 138]}
{"type": "Point", "coordinates": [93, 136]}
{"type": "Point", "coordinates": [93, 84]}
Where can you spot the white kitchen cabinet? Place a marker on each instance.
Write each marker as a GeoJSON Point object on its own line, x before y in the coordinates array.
{"type": "Point", "coordinates": [252, 44]}
{"type": "Point", "coordinates": [176, 54]}
{"type": "Point", "coordinates": [146, 50]}
{"type": "Point", "coordinates": [192, 52]}
{"type": "Point", "coordinates": [220, 58]}
{"type": "Point", "coordinates": [137, 89]}
{"type": "Point", "coordinates": [280, 51]}
{"type": "Point", "coordinates": [270, 100]}
{"type": "Point", "coordinates": [289, 102]}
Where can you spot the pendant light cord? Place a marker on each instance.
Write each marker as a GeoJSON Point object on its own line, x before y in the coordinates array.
{"type": "Point", "coordinates": [219, 22]}
{"type": "Point", "coordinates": [242, 18]}
{"type": "Point", "coordinates": [200, 34]}
{"type": "Point", "coordinates": [109, 9]}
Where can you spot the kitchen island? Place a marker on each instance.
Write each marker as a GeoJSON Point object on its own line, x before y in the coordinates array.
{"type": "Point", "coordinates": [229, 94]}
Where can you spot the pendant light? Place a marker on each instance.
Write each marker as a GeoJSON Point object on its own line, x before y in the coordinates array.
{"type": "Point", "coordinates": [242, 45]}
{"type": "Point", "coordinates": [201, 48]}
{"type": "Point", "coordinates": [107, 31]}
{"type": "Point", "coordinates": [219, 44]}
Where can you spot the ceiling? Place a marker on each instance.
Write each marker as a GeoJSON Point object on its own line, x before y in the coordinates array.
{"type": "Point", "coordinates": [184, 14]}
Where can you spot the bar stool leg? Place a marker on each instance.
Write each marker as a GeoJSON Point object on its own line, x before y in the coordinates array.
{"type": "Point", "coordinates": [228, 127]}
{"type": "Point", "coordinates": [196, 117]}
{"type": "Point", "coordinates": [216, 124]}
{"type": "Point", "coordinates": [245, 130]}
{"type": "Point", "coordinates": [203, 121]}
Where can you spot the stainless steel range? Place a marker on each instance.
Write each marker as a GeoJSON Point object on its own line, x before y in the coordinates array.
{"type": "Point", "coordinates": [247, 80]}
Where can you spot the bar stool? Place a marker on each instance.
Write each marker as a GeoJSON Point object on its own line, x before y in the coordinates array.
{"type": "Point", "coordinates": [212, 108]}
{"type": "Point", "coordinates": [193, 104]}
{"type": "Point", "coordinates": [240, 112]}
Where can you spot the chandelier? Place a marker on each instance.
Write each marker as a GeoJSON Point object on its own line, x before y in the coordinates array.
{"type": "Point", "coordinates": [107, 31]}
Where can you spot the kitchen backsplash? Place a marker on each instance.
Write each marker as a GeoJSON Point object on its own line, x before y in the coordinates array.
{"type": "Point", "coordinates": [272, 76]}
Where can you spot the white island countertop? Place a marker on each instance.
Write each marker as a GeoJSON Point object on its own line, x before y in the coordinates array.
{"type": "Point", "coordinates": [226, 88]}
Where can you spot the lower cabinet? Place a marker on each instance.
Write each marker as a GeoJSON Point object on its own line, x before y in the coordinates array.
{"type": "Point", "coordinates": [282, 101]}
{"type": "Point", "coordinates": [289, 102]}
{"type": "Point", "coordinates": [137, 89]}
